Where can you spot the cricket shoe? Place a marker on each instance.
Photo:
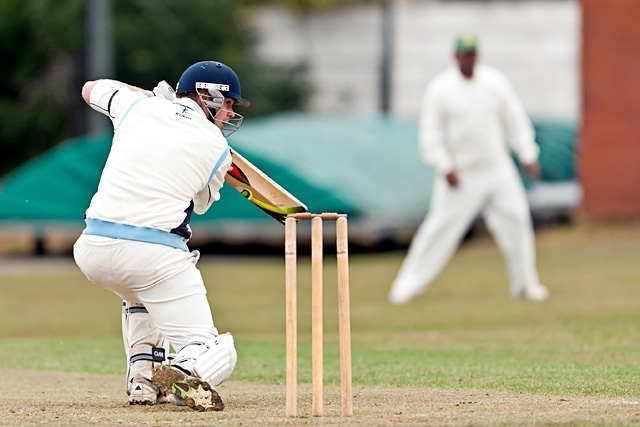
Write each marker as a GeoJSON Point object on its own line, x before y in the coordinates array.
{"type": "Point", "coordinates": [170, 398]}
{"type": "Point", "coordinates": [143, 392]}
{"type": "Point", "coordinates": [533, 293]}
{"type": "Point", "coordinates": [167, 398]}
{"type": "Point", "coordinates": [197, 394]}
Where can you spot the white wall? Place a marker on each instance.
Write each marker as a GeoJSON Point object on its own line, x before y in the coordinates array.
{"type": "Point", "coordinates": [536, 43]}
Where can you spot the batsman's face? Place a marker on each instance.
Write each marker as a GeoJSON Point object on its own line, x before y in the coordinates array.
{"type": "Point", "coordinates": [226, 119]}
{"type": "Point", "coordinates": [225, 113]}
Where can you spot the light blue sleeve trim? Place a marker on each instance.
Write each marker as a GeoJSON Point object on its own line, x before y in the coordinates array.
{"type": "Point", "coordinates": [98, 227]}
{"type": "Point", "coordinates": [127, 112]}
{"type": "Point", "coordinates": [215, 168]}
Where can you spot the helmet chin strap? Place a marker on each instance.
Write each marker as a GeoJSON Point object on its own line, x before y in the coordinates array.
{"type": "Point", "coordinates": [212, 101]}
{"type": "Point", "coordinates": [211, 115]}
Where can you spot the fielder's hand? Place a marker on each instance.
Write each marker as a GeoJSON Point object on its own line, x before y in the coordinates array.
{"type": "Point", "coordinates": [452, 178]}
{"type": "Point", "coordinates": [533, 170]}
{"type": "Point", "coordinates": [165, 91]}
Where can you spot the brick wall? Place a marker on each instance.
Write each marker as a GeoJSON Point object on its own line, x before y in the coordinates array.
{"type": "Point", "coordinates": [609, 159]}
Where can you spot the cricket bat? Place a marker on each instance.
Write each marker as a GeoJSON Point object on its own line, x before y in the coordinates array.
{"type": "Point", "coordinates": [261, 190]}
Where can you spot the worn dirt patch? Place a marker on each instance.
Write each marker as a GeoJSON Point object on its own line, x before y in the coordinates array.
{"type": "Point", "coordinates": [35, 398]}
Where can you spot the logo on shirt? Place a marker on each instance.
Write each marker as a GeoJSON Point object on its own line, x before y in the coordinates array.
{"type": "Point", "coordinates": [183, 113]}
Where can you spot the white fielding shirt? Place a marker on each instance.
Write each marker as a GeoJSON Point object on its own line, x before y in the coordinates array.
{"type": "Point", "coordinates": [166, 161]}
{"type": "Point", "coordinates": [471, 123]}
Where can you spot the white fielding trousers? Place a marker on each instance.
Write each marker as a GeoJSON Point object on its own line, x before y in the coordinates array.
{"type": "Point", "coordinates": [499, 195]}
{"type": "Point", "coordinates": [164, 279]}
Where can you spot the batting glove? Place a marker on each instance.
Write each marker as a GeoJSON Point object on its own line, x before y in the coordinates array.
{"type": "Point", "coordinates": [165, 91]}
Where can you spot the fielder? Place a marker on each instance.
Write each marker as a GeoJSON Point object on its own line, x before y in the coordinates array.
{"type": "Point", "coordinates": [469, 114]}
{"type": "Point", "coordinates": [168, 160]}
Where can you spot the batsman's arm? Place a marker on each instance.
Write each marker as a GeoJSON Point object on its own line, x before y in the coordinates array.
{"type": "Point", "coordinates": [88, 87]}
{"type": "Point", "coordinates": [211, 193]}
{"type": "Point", "coordinates": [162, 89]}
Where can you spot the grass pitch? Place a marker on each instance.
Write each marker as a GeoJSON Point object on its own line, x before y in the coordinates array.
{"type": "Point", "coordinates": [462, 353]}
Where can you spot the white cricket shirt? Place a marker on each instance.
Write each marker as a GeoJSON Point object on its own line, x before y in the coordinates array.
{"type": "Point", "coordinates": [471, 123]}
{"type": "Point", "coordinates": [166, 161]}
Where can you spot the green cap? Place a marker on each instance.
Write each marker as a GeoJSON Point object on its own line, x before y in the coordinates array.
{"type": "Point", "coordinates": [466, 43]}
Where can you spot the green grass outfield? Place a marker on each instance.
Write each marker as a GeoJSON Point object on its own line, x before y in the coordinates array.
{"type": "Point", "coordinates": [463, 333]}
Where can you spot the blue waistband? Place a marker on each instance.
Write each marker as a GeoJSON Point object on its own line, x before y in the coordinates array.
{"type": "Point", "coordinates": [98, 227]}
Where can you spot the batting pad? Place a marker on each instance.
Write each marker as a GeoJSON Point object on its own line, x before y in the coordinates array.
{"type": "Point", "coordinates": [211, 360]}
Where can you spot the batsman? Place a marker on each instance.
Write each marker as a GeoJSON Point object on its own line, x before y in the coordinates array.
{"type": "Point", "coordinates": [168, 160]}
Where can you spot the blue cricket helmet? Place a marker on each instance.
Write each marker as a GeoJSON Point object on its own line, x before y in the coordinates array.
{"type": "Point", "coordinates": [216, 73]}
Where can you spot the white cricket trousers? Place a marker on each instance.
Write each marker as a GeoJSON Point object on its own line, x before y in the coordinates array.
{"type": "Point", "coordinates": [499, 195]}
{"type": "Point", "coordinates": [164, 279]}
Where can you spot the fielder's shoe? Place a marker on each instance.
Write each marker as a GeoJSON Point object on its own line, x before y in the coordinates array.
{"type": "Point", "coordinates": [533, 293]}
{"type": "Point", "coordinates": [142, 392]}
{"type": "Point", "coordinates": [197, 394]}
